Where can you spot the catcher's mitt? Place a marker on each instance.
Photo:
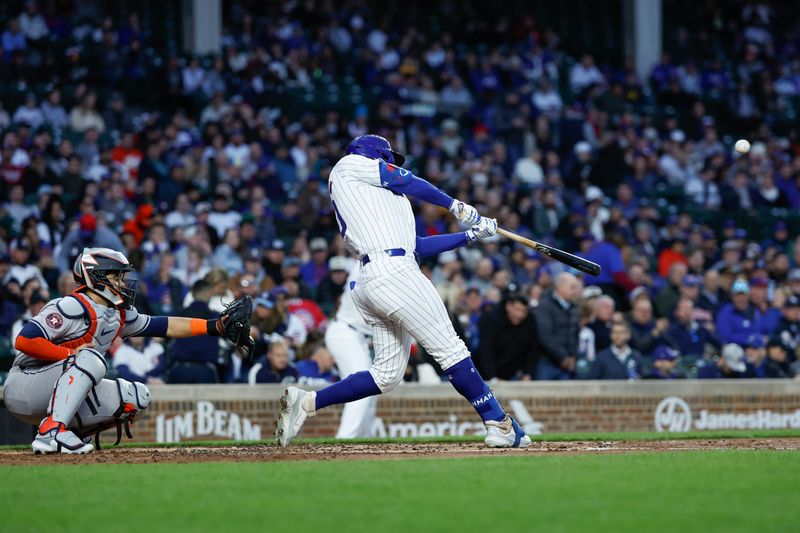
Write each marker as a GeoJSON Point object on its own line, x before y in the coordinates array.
{"type": "Point", "coordinates": [234, 324]}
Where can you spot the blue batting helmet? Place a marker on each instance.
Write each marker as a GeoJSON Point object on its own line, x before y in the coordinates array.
{"type": "Point", "coordinates": [375, 147]}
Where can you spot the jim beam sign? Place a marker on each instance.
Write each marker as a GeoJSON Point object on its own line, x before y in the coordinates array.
{"type": "Point", "coordinates": [206, 421]}
{"type": "Point", "coordinates": [674, 415]}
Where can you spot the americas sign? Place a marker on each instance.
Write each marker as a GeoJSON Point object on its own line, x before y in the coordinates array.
{"type": "Point", "coordinates": [674, 415]}
{"type": "Point", "coordinates": [452, 426]}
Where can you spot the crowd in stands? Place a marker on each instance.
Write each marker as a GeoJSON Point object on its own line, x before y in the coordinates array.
{"type": "Point", "coordinates": [213, 182]}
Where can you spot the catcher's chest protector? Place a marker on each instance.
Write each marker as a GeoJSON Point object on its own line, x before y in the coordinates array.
{"type": "Point", "coordinates": [101, 324]}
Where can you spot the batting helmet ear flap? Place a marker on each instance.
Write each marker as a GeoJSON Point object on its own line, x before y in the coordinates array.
{"type": "Point", "coordinates": [399, 158]}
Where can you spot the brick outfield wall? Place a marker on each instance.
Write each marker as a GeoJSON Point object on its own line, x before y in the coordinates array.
{"type": "Point", "coordinates": [213, 412]}
{"type": "Point", "coordinates": [216, 412]}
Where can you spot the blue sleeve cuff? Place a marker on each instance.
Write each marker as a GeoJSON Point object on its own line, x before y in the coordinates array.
{"type": "Point", "coordinates": [402, 181]}
{"type": "Point", "coordinates": [437, 244]}
{"type": "Point", "coordinates": [32, 330]}
{"type": "Point", "coordinates": [156, 328]}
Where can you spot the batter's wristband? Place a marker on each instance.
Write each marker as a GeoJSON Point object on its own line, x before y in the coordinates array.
{"type": "Point", "coordinates": [211, 328]}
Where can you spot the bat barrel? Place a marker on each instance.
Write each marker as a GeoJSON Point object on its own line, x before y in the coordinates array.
{"type": "Point", "coordinates": [569, 259]}
{"type": "Point", "coordinates": [579, 263]}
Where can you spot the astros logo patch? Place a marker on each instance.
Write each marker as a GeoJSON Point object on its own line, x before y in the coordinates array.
{"type": "Point", "coordinates": [54, 320]}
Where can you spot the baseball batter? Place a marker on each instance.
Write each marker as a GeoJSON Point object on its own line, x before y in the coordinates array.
{"type": "Point", "coordinates": [369, 189]}
{"type": "Point", "coordinates": [57, 380]}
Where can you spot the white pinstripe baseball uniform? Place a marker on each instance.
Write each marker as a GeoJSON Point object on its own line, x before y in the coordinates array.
{"type": "Point", "coordinates": [347, 338]}
{"type": "Point", "coordinates": [393, 296]}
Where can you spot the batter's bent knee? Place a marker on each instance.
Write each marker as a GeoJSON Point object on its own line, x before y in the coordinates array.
{"type": "Point", "coordinates": [386, 381]}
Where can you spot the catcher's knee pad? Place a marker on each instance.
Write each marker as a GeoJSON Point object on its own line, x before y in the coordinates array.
{"type": "Point", "coordinates": [91, 363]}
{"type": "Point", "coordinates": [82, 373]}
{"type": "Point", "coordinates": [135, 395]}
{"type": "Point", "coordinates": [119, 401]}
{"type": "Point", "coordinates": [386, 380]}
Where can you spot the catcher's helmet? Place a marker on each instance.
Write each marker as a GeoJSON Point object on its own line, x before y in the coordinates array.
{"type": "Point", "coordinates": [375, 147]}
{"type": "Point", "coordinates": [92, 267]}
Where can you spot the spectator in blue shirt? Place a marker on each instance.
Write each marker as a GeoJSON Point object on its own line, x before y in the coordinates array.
{"type": "Point", "coordinates": [618, 361]}
{"type": "Point", "coordinates": [738, 320]}
{"type": "Point", "coordinates": [613, 277]}
{"type": "Point", "coordinates": [602, 315]}
{"type": "Point", "coordinates": [647, 334]}
{"type": "Point", "coordinates": [315, 270]}
{"type": "Point", "coordinates": [13, 40]}
{"type": "Point", "coordinates": [755, 354]}
{"type": "Point", "coordinates": [195, 359]}
{"type": "Point", "coordinates": [665, 363]}
{"type": "Point", "coordinates": [140, 359]}
{"type": "Point", "coordinates": [770, 316]}
{"type": "Point", "coordinates": [318, 368]}
{"type": "Point", "coordinates": [686, 335]}
{"type": "Point", "coordinates": [274, 367]}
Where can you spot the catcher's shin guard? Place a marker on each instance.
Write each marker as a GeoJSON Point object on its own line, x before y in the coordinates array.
{"type": "Point", "coordinates": [82, 372]}
{"type": "Point", "coordinates": [120, 402]}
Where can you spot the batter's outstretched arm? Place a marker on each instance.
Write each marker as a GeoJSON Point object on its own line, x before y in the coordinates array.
{"type": "Point", "coordinates": [437, 244]}
{"type": "Point", "coordinates": [402, 181]}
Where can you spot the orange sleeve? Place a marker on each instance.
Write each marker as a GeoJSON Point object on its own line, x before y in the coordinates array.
{"type": "Point", "coordinates": [41, 348]}
{"type": "Point", "coordinates": [198, 326]}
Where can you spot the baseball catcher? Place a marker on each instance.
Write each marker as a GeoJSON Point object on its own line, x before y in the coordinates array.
{"type": "Point", "coordinates": [57, 380]}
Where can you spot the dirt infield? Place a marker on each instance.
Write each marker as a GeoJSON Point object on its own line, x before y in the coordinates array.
{"type": "Point", "coordinates": [344, 452]}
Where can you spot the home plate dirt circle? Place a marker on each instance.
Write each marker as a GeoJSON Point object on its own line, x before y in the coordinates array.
{"type": "Point", "coordinates": [345, 452]}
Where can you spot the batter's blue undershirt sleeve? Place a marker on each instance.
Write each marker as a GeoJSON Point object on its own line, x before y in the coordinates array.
{"type": "Point", "coordinates": [156, 328]}
{"type": "Point", "coordinates": [437, 244]}
{"type": "Point", "coordinates": [402, 181]}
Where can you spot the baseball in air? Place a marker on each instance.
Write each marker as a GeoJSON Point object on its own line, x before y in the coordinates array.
{"type": "Point", "coordinates": [742, 146]}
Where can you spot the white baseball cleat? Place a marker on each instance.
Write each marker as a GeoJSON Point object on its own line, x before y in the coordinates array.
{"type": "Point", "coordinates": [505, 434]}
{"type": "Point", "coordinates": [64, 441]}
{"type": "Point", "coordinates": [296, 406]}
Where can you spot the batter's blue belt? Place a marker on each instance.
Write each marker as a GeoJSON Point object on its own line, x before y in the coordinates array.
{"type": "Point", "coordinates": [391, 252]}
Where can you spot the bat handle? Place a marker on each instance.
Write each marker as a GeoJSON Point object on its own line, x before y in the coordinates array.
{"type": "Point", "coordinates": [518, 238]}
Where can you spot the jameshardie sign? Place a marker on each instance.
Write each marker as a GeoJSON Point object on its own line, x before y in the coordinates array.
{"type": "Point", "coordinates": [673, 414]}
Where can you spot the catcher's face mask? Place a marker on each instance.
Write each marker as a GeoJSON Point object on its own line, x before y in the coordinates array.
{"type": "Point", "coordinates": [122, 283]}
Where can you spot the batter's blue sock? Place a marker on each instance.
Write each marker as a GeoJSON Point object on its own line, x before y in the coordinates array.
{"type": "Point", "coordinates": [352, 388]}
{"type": "Point", "coordinates": [468, 382]}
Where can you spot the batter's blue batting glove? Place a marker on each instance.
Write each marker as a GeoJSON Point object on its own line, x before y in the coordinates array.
{"type": "Point", "coordinates": [465, 213]}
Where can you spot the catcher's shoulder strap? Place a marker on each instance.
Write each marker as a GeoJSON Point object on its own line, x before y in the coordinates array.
{"type": "Point", "coordinates": [89, 313]}
{"type": "Point", "coordinates": [76, 305]}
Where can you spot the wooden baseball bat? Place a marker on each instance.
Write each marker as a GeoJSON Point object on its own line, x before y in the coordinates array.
{"type": "Point", "coordinates": [559, 255]}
